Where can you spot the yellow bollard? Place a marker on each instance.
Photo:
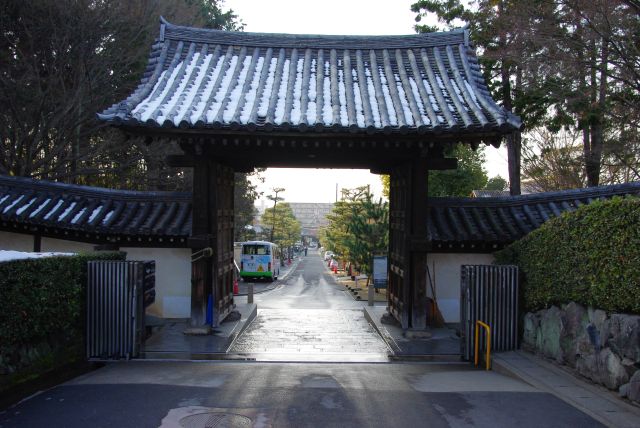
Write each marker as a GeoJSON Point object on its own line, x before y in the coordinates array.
{"type": "Point", "coordinates": [488, 357]}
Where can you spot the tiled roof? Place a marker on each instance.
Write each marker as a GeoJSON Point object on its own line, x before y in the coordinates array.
{"type": "Point", "coordinates": [489, 223]}
{"type": "Point", "coordinates": [94, 214]}
{"type": "Point", "coordinates": [164, 218]}
{"type": "Point", "coordinates": [489, 193]}
{"type": "Point", "coordinates": [423, 83]}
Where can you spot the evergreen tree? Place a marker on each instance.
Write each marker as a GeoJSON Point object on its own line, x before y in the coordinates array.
{"type": "Point", "coordinates": [358, 228]}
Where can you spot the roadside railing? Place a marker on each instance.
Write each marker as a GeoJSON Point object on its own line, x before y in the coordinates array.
{"type": "Point", "coordinates": [486, 328]}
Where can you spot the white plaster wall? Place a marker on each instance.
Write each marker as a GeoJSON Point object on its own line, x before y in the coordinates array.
{"type": "Point", "coordinates": [173, 279]}
{"type": "Point", "coordinates": [447, 279]}
{"type": "Point", "coordinates": [53, 244]}
{"type": "Point", "coordinates": [16, 241]}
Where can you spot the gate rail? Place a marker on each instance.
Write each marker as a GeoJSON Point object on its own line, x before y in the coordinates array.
{"type": "Point", "coordinates": [489, 293]}
{"type": "Point", "coordinates": [117, 294]}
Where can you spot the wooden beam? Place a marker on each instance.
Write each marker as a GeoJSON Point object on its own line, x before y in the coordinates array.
{"type": "Point", "coordinates": [441, 164]}
{"type": "Point", "coordinates": [180, 161]}
{"type": "Point", "coordinates": [433, 164]}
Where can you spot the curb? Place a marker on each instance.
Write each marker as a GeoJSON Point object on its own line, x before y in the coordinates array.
{"type": "Point", "coordinates": [627, 411]}
{"type": "Point", "coordinates": [386, 338]}
{"type": "Point", "coordinates": [234, 335]}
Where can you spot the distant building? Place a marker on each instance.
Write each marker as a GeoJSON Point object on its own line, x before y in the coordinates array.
{"type": "Point", "coordinates": [312, 216]}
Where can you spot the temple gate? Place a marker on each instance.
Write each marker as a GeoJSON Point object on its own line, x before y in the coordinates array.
{"type": "Point", "coordinates": [236, 101]}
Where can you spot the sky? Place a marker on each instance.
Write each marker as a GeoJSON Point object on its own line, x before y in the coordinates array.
{"type": "Point", "coordinates": [338, 17]}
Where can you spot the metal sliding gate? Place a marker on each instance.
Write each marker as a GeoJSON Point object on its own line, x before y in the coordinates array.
{"type": "Point", "coordinates": [117, 294]}
{"type": "Point", "coordinates": [489, 294]}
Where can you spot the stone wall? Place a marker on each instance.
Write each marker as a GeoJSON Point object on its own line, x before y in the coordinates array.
{"type": "Point", "coordinates": [605, 349]}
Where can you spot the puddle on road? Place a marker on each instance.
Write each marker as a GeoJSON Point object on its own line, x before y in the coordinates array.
{"type": "Point", "coordinates": [317, 335]}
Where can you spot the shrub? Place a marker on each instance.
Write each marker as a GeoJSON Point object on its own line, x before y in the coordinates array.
{"type": "Point", "coordinates": [591, 256]}
{"type": "Point", "coordinates": [43, 306]}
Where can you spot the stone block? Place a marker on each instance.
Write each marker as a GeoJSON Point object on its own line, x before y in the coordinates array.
{"type": "Point", "coordinates": [530, 329]}
{"type": "Point", "coordinates": [550, 331]}
{"type": "Point", "coordinates": [623, 391]}
{"type": "Point", "coordinates": [630, 366]}
{"type": "Point", "coordinates": [634, 387]}
{"type": "Point", "coordinates": [603, 367]}
{"type": "Point", "coordinates": [624, 336]}
{"type": "Point", "coordinates": [597, 317]}
{"type": "Point", "coordinates": [573, 333]}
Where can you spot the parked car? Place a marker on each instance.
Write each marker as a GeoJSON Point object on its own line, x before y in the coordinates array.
{"type": "Point", "coordinates": [328, 255]}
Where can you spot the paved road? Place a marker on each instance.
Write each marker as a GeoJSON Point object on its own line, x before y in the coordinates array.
{"type": "Point", "coordinates": [309, 317]}
{"type": "Point", "coordinates": [306, 316]}
{"type": "Point", "coordinates": [190, 394]}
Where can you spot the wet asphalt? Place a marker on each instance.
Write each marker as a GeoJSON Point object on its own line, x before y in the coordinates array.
{"type": "Point", "coordinates": [309, 317]}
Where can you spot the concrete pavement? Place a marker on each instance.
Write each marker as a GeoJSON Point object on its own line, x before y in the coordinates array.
{"type": "Point", "coordinates": [213, 393]}
{"type": "Point", "coordinates": [596, 401]}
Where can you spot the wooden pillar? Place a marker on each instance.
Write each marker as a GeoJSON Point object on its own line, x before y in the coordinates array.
{"type": "Point", "coordinates": [201, 238]}
{"type": "Point", "coordinates": [211, 242]}
{"type": "Point", "coordinates": [407, 298]}
{"type": "Point", "coordinates": [396, 296]}
{"type": "Point", "coordinates": [418, 238]}
{"type": "Point", "coordinates": [37, 243]}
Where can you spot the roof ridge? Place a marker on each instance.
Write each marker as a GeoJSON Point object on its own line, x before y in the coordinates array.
{"type": "Point", "coordinates": [346, 41]}
{"type": "Point", "coordinates": [79, 189]}
{"type": "Point", "coordinates": [611, 189]}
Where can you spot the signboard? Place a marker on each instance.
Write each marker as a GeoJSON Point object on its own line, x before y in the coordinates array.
{"type": "Point", "coordinates": [380, 271]}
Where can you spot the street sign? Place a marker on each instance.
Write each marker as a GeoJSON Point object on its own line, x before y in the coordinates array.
{"type": "Point", "coordinates": [380, 271]}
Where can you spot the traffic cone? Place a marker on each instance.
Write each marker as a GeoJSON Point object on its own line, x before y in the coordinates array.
{"type": "Point", "coordinates": [235, 287]}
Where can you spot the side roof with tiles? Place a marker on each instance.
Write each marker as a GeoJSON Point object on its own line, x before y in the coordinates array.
{"type": "Point", "coordinates": [94, 214]}
{"type": "Point", "coordinates": [164, 218]}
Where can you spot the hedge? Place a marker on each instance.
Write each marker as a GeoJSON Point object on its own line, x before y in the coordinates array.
{"type": "Point", "coordinates": [43, 304]}
{"type": "Point", "coordinates": [590, 256]}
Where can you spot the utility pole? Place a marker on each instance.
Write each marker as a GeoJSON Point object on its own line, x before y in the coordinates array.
{"type": "Point", "coordinates": [275, 200]}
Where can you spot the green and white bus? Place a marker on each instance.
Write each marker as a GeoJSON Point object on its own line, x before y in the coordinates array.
{"type": "Point", "coordinates": [259, 259]}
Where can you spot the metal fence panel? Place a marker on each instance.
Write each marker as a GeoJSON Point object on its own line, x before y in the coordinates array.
{"type": "Point", "coordinates": [489, 294]}
{"type": "Point", "coordinates": [117, 294]}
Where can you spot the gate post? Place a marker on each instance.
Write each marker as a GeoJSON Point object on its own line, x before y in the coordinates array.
{"type": "Point", "coordinates": [407, 298]}
{"type": "Point", "coordinates": [212, 228]}
{"type": "Point", "coordinates": [418, 243]}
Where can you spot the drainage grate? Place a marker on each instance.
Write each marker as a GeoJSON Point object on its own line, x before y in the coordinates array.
{"type": "Point", "coordinates": [215, 420]}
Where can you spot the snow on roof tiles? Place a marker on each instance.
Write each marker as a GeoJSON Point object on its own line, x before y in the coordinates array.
{"type": "Point", "coordinates": [483, 224]}
{"type": "Point", "coordinates": [423, 83]}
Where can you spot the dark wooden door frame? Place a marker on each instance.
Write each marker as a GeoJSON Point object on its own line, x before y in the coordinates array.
{"type": "Point", "coordinates": [213, 226]}
{"type": "Point", "coordinates": [211, 241]}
